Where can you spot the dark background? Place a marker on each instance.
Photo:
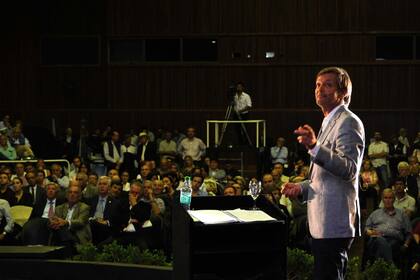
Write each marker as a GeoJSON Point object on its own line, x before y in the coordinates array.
{"type": "Point", "coordinates": [99, 60]}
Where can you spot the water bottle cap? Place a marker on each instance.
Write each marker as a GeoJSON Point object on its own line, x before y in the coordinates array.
{"type": "Point", "coordinates": [187, 178]}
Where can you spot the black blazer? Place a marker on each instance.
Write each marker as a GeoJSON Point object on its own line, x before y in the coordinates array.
{"type": "Point", "coordinates": [38, 208]}
{"type": "Point", "coordinates": [149, 154]}
{"type": "Point", "coordinates": [112, 211]}
{"type": "Point", "coordinates": [25, 200]}
{"type": "Point", "coordinates": [40, 194]}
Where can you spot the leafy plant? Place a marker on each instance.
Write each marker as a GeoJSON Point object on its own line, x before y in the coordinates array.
{"type": "Point", "coordinates": [353, 269]}
{"type": "Point", "coordinates": [87, 252]}
{"type": "Point", "coordinates": [380, 270]}
{"type": "Point", "coordinates": [115, 252]}
{"type": "Point", "coordinates": [299, 264]}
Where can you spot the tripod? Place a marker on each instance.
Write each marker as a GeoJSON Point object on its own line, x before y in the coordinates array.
{"type": "Point", "coordinates": [227, 117]}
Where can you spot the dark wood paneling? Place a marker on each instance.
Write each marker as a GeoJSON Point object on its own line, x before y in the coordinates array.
{"type": "Point", "coordinates": [306, 35]}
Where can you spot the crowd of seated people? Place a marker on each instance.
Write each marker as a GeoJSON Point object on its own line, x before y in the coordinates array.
{"type": "Point", "coordinates": [132, 203]}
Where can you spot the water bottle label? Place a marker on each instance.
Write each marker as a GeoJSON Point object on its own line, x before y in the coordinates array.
{"type": "Point", "coordinates": [185, 199]}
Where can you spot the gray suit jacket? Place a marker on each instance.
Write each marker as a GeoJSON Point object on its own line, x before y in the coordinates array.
{"type": "Point", "coordinates": [79, 227]}
{"type": "Point", "coordinates": [332, 190]}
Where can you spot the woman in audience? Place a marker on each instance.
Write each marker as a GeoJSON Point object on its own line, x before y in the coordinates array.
{"type": "Point", "coordinates": [22, 198]}
{"type": "Point", "coordinates": [369, 187]}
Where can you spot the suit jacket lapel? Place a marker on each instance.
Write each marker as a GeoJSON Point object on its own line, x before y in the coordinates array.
{"type": "Point", "coordinates": [330, 125]}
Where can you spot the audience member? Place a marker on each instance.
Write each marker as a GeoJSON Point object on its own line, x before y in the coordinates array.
{"type": "Point", "coordinates": [216, 172]}
{"type": "Point", "coordinates": [279, 153]}
{"type": "Point", "coordinates": [58, 177]}
{"type": "Point", "coordinates": [6, 224]}
{"type": "Point", "coordinates": [21, 143]}
{"type": "Point", "coordinates": [378, 153]}
{"type": "Point", "coordinates": [409, 180]}
{"type": "Point", "coordinates": [105, 213]}
{"type": "Point", "coordinates": [5, 192]}
{"type": "Point", "coordinates": [70, 224]}
{"type": "Point", "coordinates": [196, 182]}
{"type": "Point", "coordinates": [7, 152]}
{"type": "Point", "coordinates": [192, 146]}
{"type": "Point", "coordinates": [402, 200]}
{"type": "Point", "coordinates": [35, 230]}
{"type": "Point", "coordinates": [147, 149]}
{"type": "Point", "coordinates": [167, 147]}
{"type": "Point", "coordinates": [397, 153]}
{"type": "Point", "coordinates": [20, 172]}
{"type": "Point", "coordinates": [387, 229]}
{"type": "Point", "coordinates": [22, 198]}
{"type": "Point", "coordinates": [369, 190]}
{"type": "Point", "coordinates": [112, 152]}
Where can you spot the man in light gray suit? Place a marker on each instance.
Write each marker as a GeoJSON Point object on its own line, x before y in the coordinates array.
{"type": "Point", "coordinates": [332, 190]}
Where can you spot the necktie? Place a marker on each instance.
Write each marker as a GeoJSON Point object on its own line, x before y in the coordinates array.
{"type": "Point", "coordinates": [51, 210]}
{"type": "Point", "coordinates": [100, 208]}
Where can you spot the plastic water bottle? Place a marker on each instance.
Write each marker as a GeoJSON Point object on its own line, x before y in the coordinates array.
{"type": "Point", "coordinates": [186, 192]}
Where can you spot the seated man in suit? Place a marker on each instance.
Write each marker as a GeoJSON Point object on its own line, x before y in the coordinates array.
{"type": "Point", "coordinates": [137, 212]}
{"type": "Point", "coordinates": [37, 192]}
{"type": "Point", "coordinates": [35, 230]}
{"type": "Point", "coordinates": [70, 224]}
{"type": "Point", "coordinates": [105, 213]}
{"type": "Point", "coordinates": [387, 229]}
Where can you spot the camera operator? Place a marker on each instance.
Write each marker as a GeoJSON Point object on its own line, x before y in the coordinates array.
{"type": "Point", "coordinates": [241, 101]}
{"type": "Point", "coordinates": [241, 104]}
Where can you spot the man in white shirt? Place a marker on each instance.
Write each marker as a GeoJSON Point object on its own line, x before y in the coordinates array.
{"type": "Point", "coordinates": [192, 146]}
{"type": "Point", "coordinates": [241, 105]}
{"type": "Point", "coordinates": [279, 152]}
{"type": "Point", "coordinates": [112, 152]}
{"type": "Point", "coordinates": [378, 152]}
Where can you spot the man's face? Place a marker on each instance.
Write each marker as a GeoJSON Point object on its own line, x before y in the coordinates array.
{"type": "Point", "coordinates": [4, 179]}
{"type": "Point", "coordinates": [77, 162]}
{"type": "Point", "coordinates": [40, 177]}
{"type": "Point", "coordinates": [196, 183]}
{"type": "Point", "coordinates": [279, 168]}
{"type": "Point", "coordinates": [190, 132]}
{"type": "Point", "coordinates": [157, 187]}
{"type": "Point", "coordinates": [31, 178]}
{"type": "Point", "coordinates": [145, 171]}
{"type": "Point", "coordinates": [168, 136]}
{"type": "Point", "coordinates": [135, 191]}
{"type": "Point", "coordinates": [125, 176]}
{"type": "Point", "coordinates": [51, 191]}
{"type": "Point", "coordinates": [377, 136]}
{"type": "Point", "coordinates": [103, 187]}
{"type": "Point", "coordinates": [115, 136]}
{"type": "Point", "coordinates": [73, 194]}
{"type": "Point", "coordinates": [112, 173]}
{"type": "Point", "coordinates": [404, 171]}
{"type": "Point", "coordinates": [388, 199]}
{"type": "Point", "coordinates": [214, 164]}
{"type": "Point", "coordinates": [399, 187]}
{"type": "Point", "coordinates": [327, 95]}
{"type": "Point", "coordinates": [239, 88]}
{"type": "Point", "coordinates": [229, 191]}
{"type": "Point", "coordinates": [93, 180]}
{"type": "Point", "coordinates": [56, 170]}
{"type": "Point", "coordinates": [268, 181]}
{"type": "Point", "coordinates": [3, 140]}
{"type": "Point", "coordinates": [280, 142]}
{"type": "Point", "coordinates": [20, 169]}
{"type": "Point", "coordinates": [116, 190]}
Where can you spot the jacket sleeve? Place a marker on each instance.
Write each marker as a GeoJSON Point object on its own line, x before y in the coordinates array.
{"type": "Point", "coordinates": [342, 157]}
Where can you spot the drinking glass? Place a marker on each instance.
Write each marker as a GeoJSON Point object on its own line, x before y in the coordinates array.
{"type": "Point", "coordinates": [254, 191]}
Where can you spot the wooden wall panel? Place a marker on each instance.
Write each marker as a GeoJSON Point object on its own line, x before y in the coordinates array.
{"type": "Point", "coordinates": [306, 35]}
